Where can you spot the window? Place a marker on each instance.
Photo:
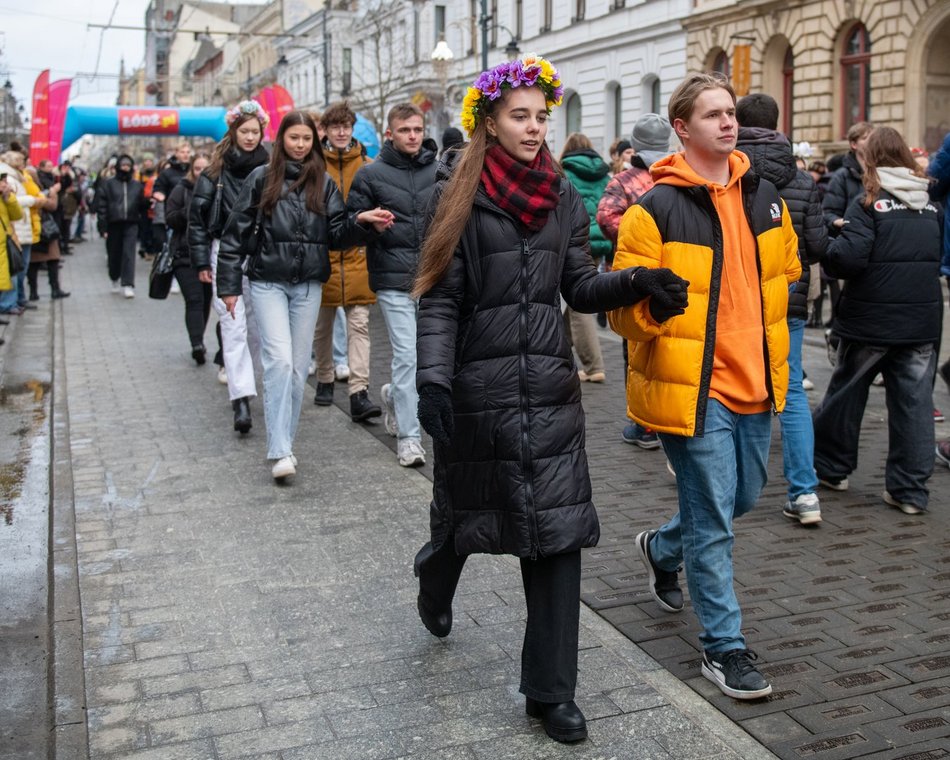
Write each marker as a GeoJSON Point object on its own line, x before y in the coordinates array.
{"type": "Point", "coordinates": [855, 77]}
{"type": "Point", "coordinates": [493, 29]}
{"type": "Point", "coordinates": [613, 111]}
{"type": "Point", "coordinates": [439, 23]}
{"type": "Point", "coordinates": [548, 15]}
{"type": "Point", "coordinates": [655, 96]}
{"type": "Point", "coordinates": [347, 70]}
{"type": "Point", "coordinates": [580, 8]}
{"type": "Point", "coordinates": [519, 18]}
{"type": "Point", "coordinates": [618, 110]}
{"type": "Point", "coordinates": [573, 110]}
{"type": "Point", "coordinates": [721, 63]}
{"type": "Point", "coordinates": [473, 14]}
{"type": "Point", "coordinates": [788, 83]}
{"type": "Point", "coordinates": [415, 33]}
{"type": "Point", "coordinates": [650, 95]}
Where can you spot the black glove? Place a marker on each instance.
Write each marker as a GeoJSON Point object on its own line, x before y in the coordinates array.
{"type": "Point", "coordinates": [665, 289]}
{"type": "Point", "coordinates": [435, 413]}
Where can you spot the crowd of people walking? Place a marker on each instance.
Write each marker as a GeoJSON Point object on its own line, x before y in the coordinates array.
{"type": "Point", "coordinates": [705, 243]}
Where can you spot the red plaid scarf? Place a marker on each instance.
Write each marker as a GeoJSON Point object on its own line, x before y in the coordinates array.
{"type": "Point", "coordinates": [526, 191]}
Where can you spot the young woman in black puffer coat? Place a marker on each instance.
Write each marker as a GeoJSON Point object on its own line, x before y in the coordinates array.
{"type": "Point", "coordinates": [288, 216]}
{"type": "Point", "coordinates": [196, 293]}
{"type": "Point", "coordinates": [498, 388]}
{"type": "Point", "coordinates": [237, 154]}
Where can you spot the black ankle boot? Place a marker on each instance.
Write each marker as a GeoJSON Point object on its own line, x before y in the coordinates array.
{"type": "Point", "coordinates": [57, 292]}
{"type": "Point", "coordinates": [324, 395]}
{"type": "Point", "coordinates": [198, 353]}
{"type": "Point", "coordinates": [563, 721]}
{"type": "Point", "coordinates": [242, 415]}
{"type": "Point", "coordinates": [361, 408]}
{"type": "Point", "coordinates": [438, 573]}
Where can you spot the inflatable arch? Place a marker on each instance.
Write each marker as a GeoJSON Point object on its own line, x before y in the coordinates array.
{"type": "Point", "coordinates": [121, 120]}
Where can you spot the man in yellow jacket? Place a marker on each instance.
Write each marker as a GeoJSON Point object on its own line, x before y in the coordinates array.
{"type": "Point", "coordinates": [706, 376]}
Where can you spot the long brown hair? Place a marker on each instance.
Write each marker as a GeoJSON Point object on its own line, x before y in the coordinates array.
{"type": "Point", "coordinates": [312, 168]}
{"type": "Point", "coordinates": [575, 141]}
{"type": "Point", "coordinates": [455, 204]}
{"type": "Point", "coordinates": [885, 147]}
{"type": "Point", "coordinates": [226, 143]}
{"type": "Point", "coordinates": [190, 176]}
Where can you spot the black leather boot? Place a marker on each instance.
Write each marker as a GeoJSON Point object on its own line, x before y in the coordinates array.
{"type": "Point", "coordinates": [438, 573]}
{"type": "Point", "coordinates": [324, 395]}
{"type": "Point", "coordinates": [563, 721]}
{"type": "Point", "coordinates": [198, 353]}
{"type": "Point", "coordinates": [57, 291]}
{"type": "Point", "coordinates": [361, 408]}
{"type": "Point", "coordinates": [242, 414]}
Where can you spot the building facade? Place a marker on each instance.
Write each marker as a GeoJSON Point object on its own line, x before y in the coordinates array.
{"type": "Point", "coordinates": [831, 63]}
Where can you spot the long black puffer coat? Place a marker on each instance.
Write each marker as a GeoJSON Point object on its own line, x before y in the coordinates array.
{"type": "Point", "coordinates": [401, 184]}
{"type": "Point", "coordinates": [202, 229]}
{"type": "Point", "coordinates": [514, 477]}
{"type": "Point", "coordinates": [844, 186]}
{"type": "Point", "coordinates": [772, 158]}
{"type": "Point", "coordinates": [292, 244]}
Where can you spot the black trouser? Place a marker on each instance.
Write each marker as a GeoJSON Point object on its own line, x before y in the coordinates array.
{"type": "Point", "coordinates": [908, 393]}
{"type": "Point", "coordinates": [120, 246]}
{"type": "Point", "coordinates": [197, 295]}
{"type": "Point", "coordinates": [552, 587]}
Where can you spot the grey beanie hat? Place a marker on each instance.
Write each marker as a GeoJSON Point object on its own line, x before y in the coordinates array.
{"type": "Point", "coordinates": [651, 137]}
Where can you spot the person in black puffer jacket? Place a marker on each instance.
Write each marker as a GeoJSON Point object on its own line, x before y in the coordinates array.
{"type": "Point", "coordinates": [119, 202]}
{"type": "Point", "coordinates": [498, 388]}
{"type": "Point", "coordinates": [889, 321]}
{"type": "Point", "coordinates": [288, 216]}
{"type": "Point", "coordinates": [197, 294]}
{"type": "Point", "coordinates": [237, 154]}
{"type": "Point", "coordinates": [401, 181]}
{"type": "Point", "coordinates": [845, 184]}
{"type": "Point", "coordinates": [771, 155]}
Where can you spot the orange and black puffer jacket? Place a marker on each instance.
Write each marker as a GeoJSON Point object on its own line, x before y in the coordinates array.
{"type": "Point", "coordinates": [349, 281]}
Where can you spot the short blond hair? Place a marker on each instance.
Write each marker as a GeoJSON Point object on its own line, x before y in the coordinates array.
{"type": "Point", "coordinates": [683, 99]}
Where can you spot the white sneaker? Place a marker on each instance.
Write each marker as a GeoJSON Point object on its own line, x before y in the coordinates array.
{"type": "Point", "coordinates": [807, 384]}
{"type": "Point", "coordinates": [116, 286]}
{"type": "Point", "coordinates": [222, 376]}
{"type": "Point", "coordinates": [312, 369]}
{"type": "Point", "coordinates": [805, 508]}
{"type": "Point", "coordinates": [389, 410]}
{"type": "Point", "coordinates": [410, 452]}
{"type": "Point", "coordinates": [128, 291]}
{"type": "Point", "coordinates": [342, 372]}
{"type": "Point", "coordinates": [175, 288]}
{"type": "Point", "coordinates": [283, 468]}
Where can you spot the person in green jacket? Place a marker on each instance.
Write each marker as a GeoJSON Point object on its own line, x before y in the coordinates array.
{"type": "Point", "coordinates": [589, 174]}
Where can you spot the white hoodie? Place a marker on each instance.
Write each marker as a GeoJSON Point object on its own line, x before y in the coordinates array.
{"type": "Point", "coordinates": [905, 186]}
{"type": "Point", "coordinates": [24, 225]}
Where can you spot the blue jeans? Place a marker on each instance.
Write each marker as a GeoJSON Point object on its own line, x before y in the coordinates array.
{"type": "Point", "coordinates": [798, 435]}
{"type": "Point", "coordinates": [400, 313]}
{"type": "Point", "coordinates": [339, 337]}
{"type": "Point", "coordinates": [21, 295]}
{"type": "Point", "coordinates": [908, 373]}
{"type": "Point", "coordinates": [286, 317]}
{"type": "Point", "coordinates": [8, 298]}
{"type": "Point", "coordinates": [719, 476]}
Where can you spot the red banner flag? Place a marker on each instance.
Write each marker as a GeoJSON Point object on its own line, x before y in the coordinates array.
{"type": "Point", "coordinates": [266, 98]}
{"type": "Point", "coordinates": [39, 125]}
{"type": "Point", "coordinates": [284, 104]}
{"type": "Point", "coordinates": [58, 100]}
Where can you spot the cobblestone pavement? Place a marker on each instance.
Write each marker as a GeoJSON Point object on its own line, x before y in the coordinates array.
{"type": "Point", "coordinates": [223, 616]}
{"type": "Point", "coordinates": [850, 618]}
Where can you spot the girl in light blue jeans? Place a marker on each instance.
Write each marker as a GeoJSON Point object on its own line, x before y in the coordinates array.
{"type": "Point", "coordinates": [280, 231]}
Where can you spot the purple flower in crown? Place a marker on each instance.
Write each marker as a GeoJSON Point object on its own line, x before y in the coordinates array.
{"type": "Point", "coordinates": [558, 93]}
{"type": "Point", "coordinates": [529, 75]}
{"type": "Point", "coordinates": [516, 74]}
{"type": "Point", "coordinates": [490, 85]}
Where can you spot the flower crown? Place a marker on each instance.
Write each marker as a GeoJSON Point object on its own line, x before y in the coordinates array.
{"type": "Point", "coordinates": [530, 71]}
{"type": "Point", "coordinates": [247, 108]}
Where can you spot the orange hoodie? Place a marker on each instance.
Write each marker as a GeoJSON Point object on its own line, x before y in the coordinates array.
{"type": "Point", "coordinates": [738, 377]}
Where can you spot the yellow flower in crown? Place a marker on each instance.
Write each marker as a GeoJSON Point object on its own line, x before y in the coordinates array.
{"type": "Point", "coordinates": [530, 71]}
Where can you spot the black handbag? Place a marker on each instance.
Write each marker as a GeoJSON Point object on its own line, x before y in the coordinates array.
{"type": "Point", "coordinates": [161, 274]}
{"type": "Point", "coordinates": [215, 223]}
{"type": "Point", "coordinates": [14, 254]}
{"type": "Point", "coordinates": [49, 229]}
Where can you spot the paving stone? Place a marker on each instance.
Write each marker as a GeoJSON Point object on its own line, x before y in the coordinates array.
{"type": "Point", "coordinates": [853, 711]}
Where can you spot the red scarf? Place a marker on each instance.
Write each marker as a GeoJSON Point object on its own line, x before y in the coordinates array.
{"type": "Point", "coordinates": [526, 191]}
